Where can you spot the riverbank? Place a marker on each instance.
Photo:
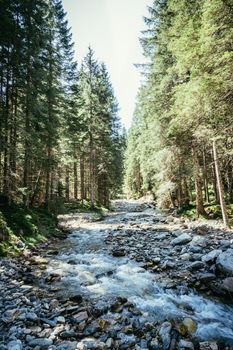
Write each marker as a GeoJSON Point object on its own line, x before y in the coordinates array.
{"type": "Point", "coordinates": [22, 228]}
{"type": "Point", "coordinates": [93, 290]}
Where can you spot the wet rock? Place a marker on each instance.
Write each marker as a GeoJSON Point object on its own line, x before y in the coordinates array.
{"type": "Point", "coordinates": [195, 257]}
{"type": "Point", "coordinates": [80, 317]}
{"type": "Point", "coordinates": [31, 316]}
{"type": "Point", "coordinates": [195, 249]}
{"type": "Point", "coordinates": [154, 344]}
{"type": "Point", "coordinates": [185, 256]}
{"type": "Point", "coordinates": [225, 262]}
{"type": "Point", "coordinates": [165, 334]}
{"type": "Point", "coordinates": [188, 326]}
{"type": "Point", "coordinates": [197, 265]}
{"type": "Point", "coordinates": [182, 239]}
{"type": "Point", "coordinates": [184, 344]}
{"type": "Point", "coordinates": [198, 241]}
{"type": "Point", "coordinates": [227, 284]}
{"type": "Point", "coordinates": [202, 229]}
{"type": "Point", "coordinates": [42, 343]}
{"type": "Point", "coordinates": [67, 345]}
{"type": "Point", "coordinates": [90, 343]}
{"type": "Point", "coordinates": [118, 252]}
{"type": "Point", "coordinates": [68, 334]}
{"type": "Point", "coordinates": [76, 298]}
{"type": "Point", "coordinates": [211, 256]}
{"type": "Point", "coordinates": [15, 345]}
{"type": "Point", "coordinates": [208, 345]}
{"type": "Point", "coordinates": [11, 315]}
{"type": "Point", "coordinates": [51, 323]}
{"type": "Point", "coordinates": [206, 277]}
{"type": "Point", "coordinates": [61, 320]}
{"type": "Point", "coordinates": [225, 243]}
{"type": "Point", "coordinates": [53, 277]}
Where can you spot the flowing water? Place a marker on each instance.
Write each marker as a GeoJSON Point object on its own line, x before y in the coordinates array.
{"type": "Point", "coordinates": [87, 268]}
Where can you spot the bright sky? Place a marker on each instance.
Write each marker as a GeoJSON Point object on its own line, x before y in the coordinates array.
{"type": "Point", "coordinates": [112, 29]}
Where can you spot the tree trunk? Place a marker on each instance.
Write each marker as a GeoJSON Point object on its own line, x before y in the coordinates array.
{"type": "Point", "coordinates": [67, 183]}
{"type": "Point", "coordinates": [75, 181]}
{"type": "Point", "coordinates": [91, 178]}
{"type": "Point", "coordinates": [206, 180]}
{"type": "Point", "coordinates": [82, 189]}
{"type": "Point", "coordinates": [219, 186]}
{"type": "Point", "coordinates": [198, 184]}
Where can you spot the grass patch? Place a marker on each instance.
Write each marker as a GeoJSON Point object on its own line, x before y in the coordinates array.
{"type": "Point", "coordinates": [31, 226]}
{"type": "Point", "coordinates": [213, 210]}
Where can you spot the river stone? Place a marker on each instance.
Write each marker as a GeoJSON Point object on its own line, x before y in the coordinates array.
{"type": "Point", "coordinates": [188, 326]}
{"type": "Point", "coordinates": [110, 343]}
{"type": "Point", "coordinates": [67, 345]}
{"type": "Point", "coordinates": [31, 316]}
{"type": "Point", "coordinates": [15, 345]}
{"type": "Point", "coordinates": [43, 343]}
{"type": "Point", "coordinates": [197, 265]}
{"type": "Point", "coordinates": [211, 256]}
{"type": "Point", "coordinates": [165, 334]}
{"type": "Point", "coordinates": [199, 241]}
{"type": "Point", "coordinates": [228, 284]}
{"type": "Point", "coordinates": [206, 345]}
{"type": "Point", "coordinates": [81, 316]}
{"type": "Point", "coordinates": [118, 252]}
{"type": "Point", "coordinates": [182, 239]}
{"type": "Point", "coordinates": [154, 344]}
{"type": "Point", "coordinates": [89, 343]}
{"type": "Point", "coordinates": [206, 277]}
{"type": "Point", "coordinates": [225, 243]}
{"type": "Point", "coordinates": [67, 334]}
{"type": "Point", "coordinates": [225, 262]}
{"type": "Point", "coordinates": [184, 344]}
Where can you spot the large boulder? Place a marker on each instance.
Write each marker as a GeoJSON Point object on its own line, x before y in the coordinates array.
{"type": "Point", "coordinates": [182, 239]}
{"type": "Point", "coordinates": [225, 262]}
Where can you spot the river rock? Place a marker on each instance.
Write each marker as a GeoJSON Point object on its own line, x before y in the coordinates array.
{"type": "Point", "coordinates": [81, 316]}
{"type": "Point", "coordinates": [202, 229]}
{"type": "Point", "coordinates": [15, 345]}
{"type": "Point", "coordinates": [206, 277]}
{"type": "Point", "coordinates": [182, 239]}
{"type": "Point", "coordinates": [110, 343]}
{"type": "Point", "coordinates": [67, 345]}
{"type": "Point", "coordinates": [227, 284]}
{"type": "Point", "coordinates": [206, 345]}
{"type": "Point", "coordinates": [188, 326]}
{"type": "Point", "coordinates": [43, 343]}
{"type": "Point", "coordinates": [90, 343]}
{"type": "Point", "coordinates": [184, 344]}
{"type": "Point", "coordinates": [211, 256]}
{"type": "Point", "coordinates": [118, 252]}
{"type": "Point", "coordinates": [154, 344]}
{"type": "Point", "coordinates": [67, 334]}
{"type": "Point", "coordinates": [165, 334]}
{"type": "Point", "coordinates": [197, 265]}
{"type": "Point", "coordinates": [225, 262]}
{"type": "Point", "coordinates": [198, 241]}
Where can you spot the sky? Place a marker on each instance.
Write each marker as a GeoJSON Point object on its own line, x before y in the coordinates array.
{"type": "Point", "coordinates": [112, 28]}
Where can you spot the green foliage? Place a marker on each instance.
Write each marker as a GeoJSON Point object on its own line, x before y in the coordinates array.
{"type": "Point", "coordinates": [185, 103]}
{"type": "Point", "coordinates": [29, 226]}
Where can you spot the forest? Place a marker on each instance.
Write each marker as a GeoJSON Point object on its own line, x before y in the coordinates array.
{"type": "Point", "coordinates": [180, 145]}
{"type": "Point", "coordinates": [60, 134]}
